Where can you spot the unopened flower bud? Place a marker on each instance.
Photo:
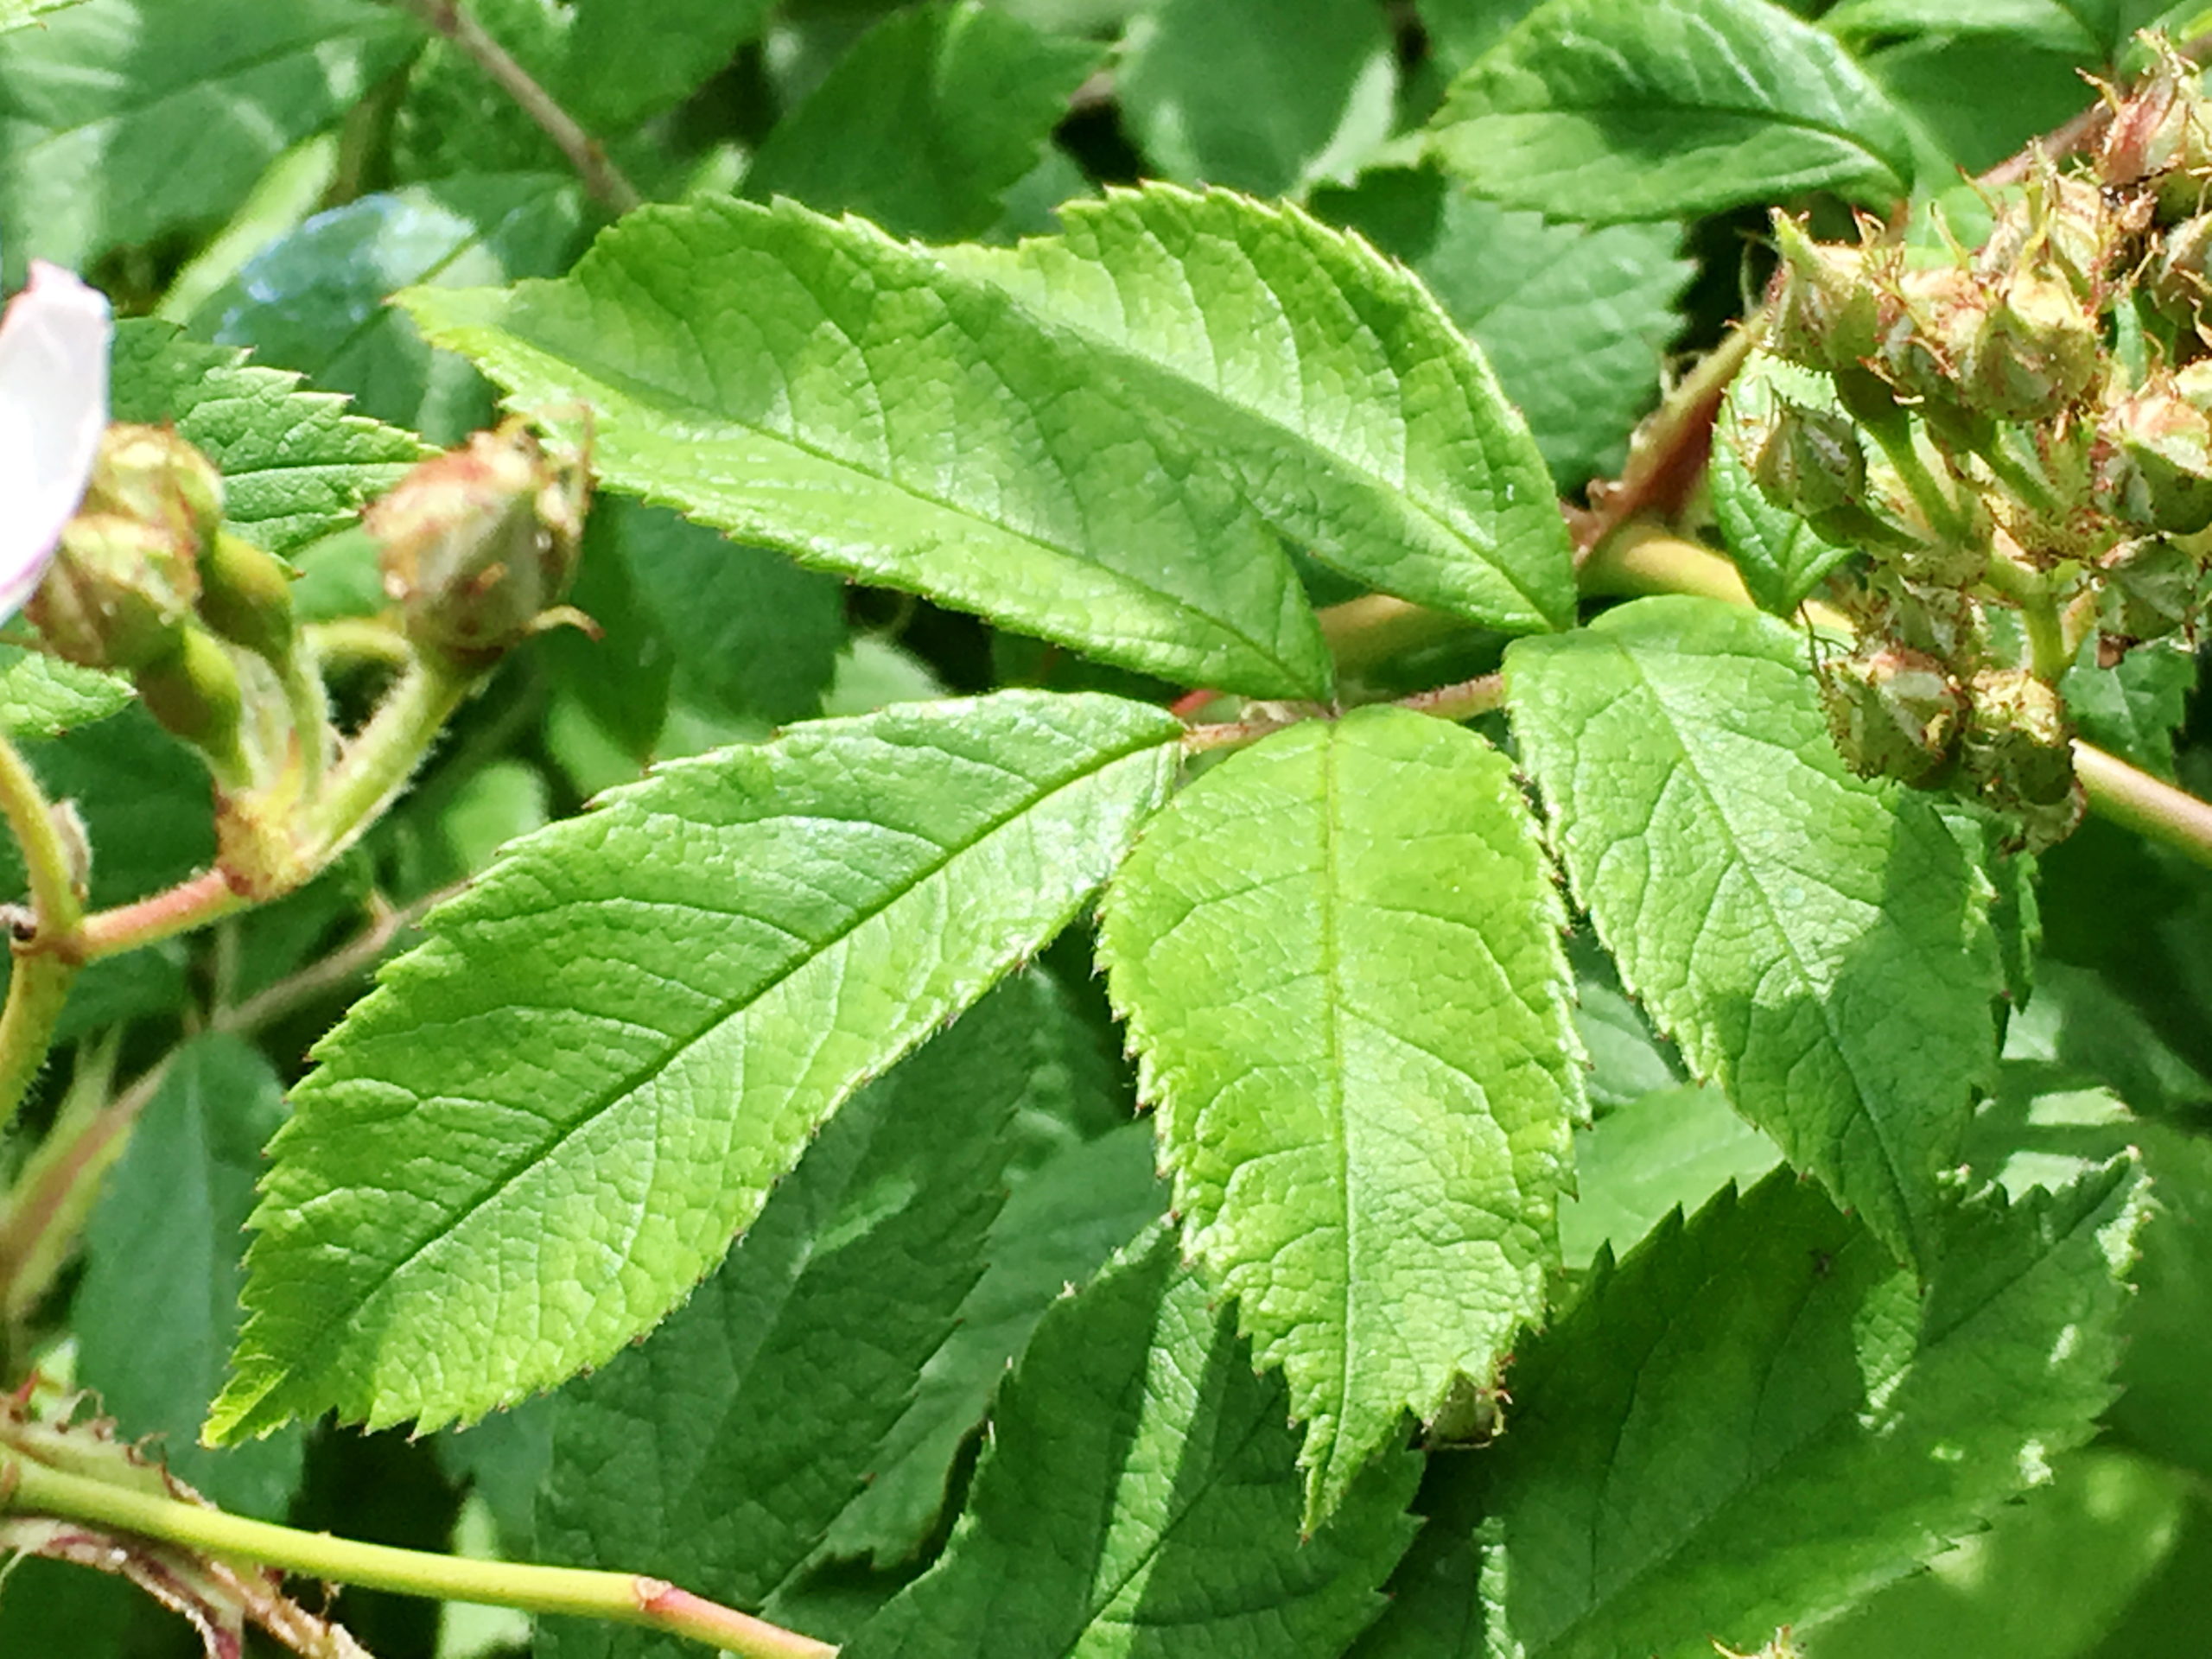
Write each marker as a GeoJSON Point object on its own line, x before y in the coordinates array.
{"type": "Point", "coordinates": [2159, 142]}
{"type": "Point", "coordinates": [245, 595]}
{"type": "Point", "coordinates": [118, 592]}
{"type": "Point", "coordinates": [2033, 352]}
{"type": "Point", "coordinates": [2158, 473]}
{"type": "Point", "coordinates": [1825, 301]}
{"type": "Point", "coordinates": [1928, 318]}
{"type": "Point", "coordinates": [194, 693]}
{"type": "Point", "coordinates": [1893, 713]}
{"type": "Point", "coordinates": [150, 474]}
{"type": "Point", "coordinates": [2061, 219]}
{"type": "Point", "coordinates": [477, 544]}
{"type": "Point", "coordinates": [1809, 460]}
{"type": "Point", "coordinates": [2015, 747]}
{"type": "Point", "coordinates": [2180, 278]}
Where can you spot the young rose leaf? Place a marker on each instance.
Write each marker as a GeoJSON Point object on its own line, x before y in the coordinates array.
{"type": "Point", "coordinates": [1818, 944]}
{"type": "Point", "coordinates": [44, 696]}
{"type": "Point", "coordinates": [125, 119]}
{"type": "Point", "coordinates": [927, 122]}
{"type": "Point", "coordinates": [873, 411]}
{"type": "Point", "coordinates": [1339, 956]}
{"type": "Point", "coordinates": [295, 464]}
{"type": "Point", "coordinates": [157, 1311]}
{"type": "Point", "coordinates": [1140, 1479]}
{"type": "Point", "coordinates": [1260, 95]}
{"type": "Point", "coordinates": [549, 1119]}
{"type": "Point", "coordinates": [717, 1454]}
{"type": "Point", "coordinates": [1361, 421]}
{"type": "Point", "coordinates": [1611, 110]}
{"type": "Point", "coordinates": [1758, 1418]}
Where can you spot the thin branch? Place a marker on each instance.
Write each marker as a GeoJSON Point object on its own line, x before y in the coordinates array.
{"type": "Point", "coordinates": [29, 1486]}
{"type": "Point", "coordinates": [600, 176]}
{"type": "Point", "coordinates": [348, 962]}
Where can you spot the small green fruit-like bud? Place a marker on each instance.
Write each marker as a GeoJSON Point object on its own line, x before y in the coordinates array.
{"type": "Point", "coordinates": [150, 474]}
{"type": "Point", "coordinates": [2159, 142]}
{"type": "Point", "coordinates": [117, 594]}
{"type": "Point", "coordinates": [1927, 317]}
{"type": "Point", "coordinates": [1825, 302]}
{"type": "Point", "coordinates": [2035, 351]}
{"type": "Point", "coordinates": [1810, 460]}
{"type": "Point", "coordinates": [193, 692]}
{"type": "Point", "coordinates": [245, 595]}
{"type": "Point", "coordinates": [1893, 713]}
{"type": "Point", "coordinates": [477, 544]}
{"type": "Point", "coordinates": [2158, 475]}
{"type": "Point", "coordinates": [2060, 220]}
{"type": "Point", "coordinates": [2018, 749]}
{"type": "Point", "coordinates": [2180, 278]}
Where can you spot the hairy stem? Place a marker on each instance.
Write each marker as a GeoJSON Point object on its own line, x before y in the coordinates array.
{"type": "Point", "coordinates": [600, 176]}
{"type": "Point", "coordinates": [28, 1486]}
{"type": "Point", "coordinates": [376, 763]}
{"type": "Point", "coordinates": [47, 956]}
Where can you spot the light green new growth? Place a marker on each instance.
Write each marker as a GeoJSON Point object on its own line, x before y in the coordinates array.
{"type": "Point", "coordinates": [1339, 955]}
{"type": "Point", "coordinates": [812, 385]}
{"type": "Point", "coordinates": [1610, 110]}
{"type": "Point", "coordinates": [1139, 1482]}
{"type": "Point", "coordinates": [1817, 944]}
{"type": "Point", "coordinates": [549, 1119]}
{"type": "Point", "coordinates": [1363, 422]}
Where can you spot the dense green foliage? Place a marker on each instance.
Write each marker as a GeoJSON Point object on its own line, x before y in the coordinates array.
{"type": "Point", "coordinates": [1162, 966]}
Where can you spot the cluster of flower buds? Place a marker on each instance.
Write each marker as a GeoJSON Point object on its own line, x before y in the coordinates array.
{"type": "Point", "coordinates": [478, 545]}
{"type": "Point", "coordinates": [2016, 440]}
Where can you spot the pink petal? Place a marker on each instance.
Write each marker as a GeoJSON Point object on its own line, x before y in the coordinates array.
{"type": "Point", "coordinates": [54, 348]}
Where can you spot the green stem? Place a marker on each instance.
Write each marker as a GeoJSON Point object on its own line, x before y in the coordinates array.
{"type": "Point", "coordinates": [376, 765]}
{"type": "Point", "coordinates": [46, 962]}
{"type": "Point", "coordinates": [29, 1486]}
{"type": "Point", "coordinates": [2145, 805]}
{"type": "Point", "coordinates": [2039, 614]}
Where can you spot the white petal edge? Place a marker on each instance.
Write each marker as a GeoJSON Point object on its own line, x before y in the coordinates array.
{"type": "Point", "coordinates": [53, 353]}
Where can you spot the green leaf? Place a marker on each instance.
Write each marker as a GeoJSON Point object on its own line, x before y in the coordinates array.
{"type": "Point", "coordinates": [1339, 952]}
{"type": "Point", "coordinates": [1138, 1497]}
{"type": "Point", "coordinates": [295, 466]}
{"type": "Point", "coordinates": [1610, 110]}
{"type": "Point", "coordinates": [717, 1454]}
{"type": "Point", "coordinates": [2043, 1582]}
{"type": "Point", "coordinates": [1817, 944]}
{"type": "Point", "coordinates": [157, 1311]}
{"type": "Point", "coordinates": [1759, 1418]}
{"type": "Point", "coordinates": [1059, 1227]}
{"type": "Point", "coordinates": [627, 61]}
{"type": "Point", "coordinates": [1459, 31]}
{"type": "Point", "coordinates": [123, 119]}
{"type": "Point", "coordinates": [313, 301]}
{"type": "Point", "coordinates": [2092, 31]}
{"type": "Point", "coordinates": [621, 674]}
{"type": "Point", "coordinates": [549, 1121]}
{"type": "Point", "coordinates": [1575, 319]}
{"type": "Point", "coordinates": [927, 123]}
{"type": "Point", "coordinates": [1941, 84]}
{"type": "Point", "coordinates": [1259, 95]}
{"type": "Point", "coordinates": [753, 634]}
{"type": "Point", "coordinates": [1672, 1150]}
{"type": "Point", "coordinates": [872, 412]}
{"type": "Point", "coordinates": [44, 696]}
{"type": "Point", "coordinates": [2135, 706]}
{"type": "Point", "coordinates": [1361, 422]}
{"type": "Point", "coordinates": [1782, 557]}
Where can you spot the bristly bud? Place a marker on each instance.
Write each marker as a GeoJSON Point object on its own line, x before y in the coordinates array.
{"type": "Point", "coordinates": [245, 595]}
{"type": "Point", "coordinates": [118, 594]}
{"type": "Point", "coordinates": [1927, 316]}
{"type": "Point", "coordinates": [2062, 220]}
{"type": "Point", "coordinates": [1809, 461]}
{"type": "Point", "coordinates": [477, 544]}
{"type": "Point", "coordinates": [1893, 713]}
{"type": "Point", "coordinates": [2159, 142]}
{"type": "Point", "coordinates": [150, 474]}
{"type": "Point", "coordinates": [2156, 471]}
{"type": "Point", "coordinates": [2016, 749]}
{"type": "Point", "coordinates": [1825, 301]}
{"type": "Point", "coordinates": [2180, 279]}
{"type": "Point", "coordinates": [2033, 352]}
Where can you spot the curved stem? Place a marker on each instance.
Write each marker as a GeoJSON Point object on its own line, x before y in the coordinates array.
{"type": "Point", "coordinates": [376, 765]}
{"type": "Point", "coordinates": [192, 903]}
{"type": "Point", "coordinates": [46, 962]}
{"type": "Point", "coordinates": [53, 872]}
{"type": "Point", "coordinates": [27, 1485]}
{"type": "Point", "coordinates": [37, 988]}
